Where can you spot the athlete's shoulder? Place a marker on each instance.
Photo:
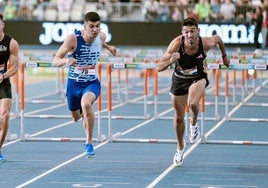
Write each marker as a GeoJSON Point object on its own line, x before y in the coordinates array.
{"type": "Point", "coordinates": [102, 36]}
{"type": "Point", "coordinates": [176, 42]}
{"type": "Point", "coordinates": [177, 39]}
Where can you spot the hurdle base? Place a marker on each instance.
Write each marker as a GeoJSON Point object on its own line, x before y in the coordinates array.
{"type": "Point", "coordinates": [236, 142]}
{"type": "Point", "coordinates": [144, 140]}
{"type": "Point", "coordinates": [28, 138]}
{"type": "Point", "coordinates": [112, 137]}
{"type": "Point", "coordinates": [11, 137]}
{"type": "Point", "coordinates": [101, 138]}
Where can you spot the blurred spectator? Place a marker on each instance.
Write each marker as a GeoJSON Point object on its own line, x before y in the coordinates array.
{"type": "Point", "coordinates": [64, 5]}
{"type": "Point", "coordinates": [191, 13]}
{"type": "Point", "coordinates": [264, 24]}
{"type": "Point", "coordinates": [256, 3]}
{"type": "Point", "coordinates": [202, 9]}
{"type": "Point", "coordinates": [257, 19]}
{"type": "Point", "coordinates": [244, 11]}
{"type": "Point", "coordinates": [64, 9]}
{"type": "Point", "coordinates": [228, 10]}
{"type": "Point", "coordinates": [38, 12]}
{"type": "Point", "coordinates": [150, 10]}
{"type": "Point", "coordinates": [10, 11]}
{"type": "Point", "coordinates": [264, 28]}
{"type": "Point", "coordinates": [24, 11]}
{"type": "Point", "coordinates": [163, 11]}
{"type": "Point", "coordinates": [179, 11]}
{"type": "Point", "coordinates": [215, 10]}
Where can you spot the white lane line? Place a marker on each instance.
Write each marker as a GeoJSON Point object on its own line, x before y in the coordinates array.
{"type": "Point", "coordinates": [75, 158]}
{"type": "Point", "coordinates": [217, 186]}
{"type": "Point", "coordinates": [56, 168]}
{"type": "Point", "coordinates": [171, 167]}
{"type": "Point", "coordinates": [42, 132]}
{"type": "Point", "coordinates": [45, 109]}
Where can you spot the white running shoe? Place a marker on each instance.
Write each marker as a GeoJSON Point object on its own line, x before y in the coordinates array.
{"type": "Point", "coordinates": [178, 157]}
{"type": "Point", "coordinates": [194, 134]}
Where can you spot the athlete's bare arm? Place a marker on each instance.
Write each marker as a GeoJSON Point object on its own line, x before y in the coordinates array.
{"type": "Point", "coordinates": [69, 45]}
{"type": "Point", "coordinates": [110, 48]}
{"type": "Point", "coordinates": [216, 41]}
{"type": "Point", "coordinates": [171, 54]}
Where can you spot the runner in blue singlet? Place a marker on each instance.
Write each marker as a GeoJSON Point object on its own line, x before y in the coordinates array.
{"type": "Point", "coordinates": [81, 51]}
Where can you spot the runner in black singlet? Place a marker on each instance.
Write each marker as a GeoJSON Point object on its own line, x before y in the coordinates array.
{"type": "Point", "coordinates": [189, 80]}
{"type": "Point", "coordinates": [9, 50]}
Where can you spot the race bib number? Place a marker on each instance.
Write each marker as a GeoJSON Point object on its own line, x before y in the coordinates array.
{"type": "Point", "coordinates": [2, 68]}
{"type": "Point", "coordinates": [85, 72]}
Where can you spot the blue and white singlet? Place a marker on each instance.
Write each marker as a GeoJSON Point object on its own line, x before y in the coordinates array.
{"type": "Point", "coordinates": [87, 56]}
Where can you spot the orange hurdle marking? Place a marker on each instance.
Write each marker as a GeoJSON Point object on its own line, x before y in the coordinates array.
{"type": "Point", "coordinates": [22, 67]}
{"type": "Point", "coordinates": [227, 83]}
{"type": "Point", "coordinates": [100, 96]}
{"type": "Point", "coordinates": [155, 79]}
{"type": "Point", "coordinates": [145, 85]}
{"type": "Point", "coordinates": [109, 71]}
{"type": "Point", "coordinates": [217, 75]}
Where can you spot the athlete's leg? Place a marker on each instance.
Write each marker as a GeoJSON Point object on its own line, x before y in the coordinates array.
{"type": "Point", "coordinates": [5, 105]}
{"type": "Point", "coordinates": [179, 103]}
{"type": "Point", "coordinates": [88, 114]}
{"type": "Point", "coordinates": [196, 91]}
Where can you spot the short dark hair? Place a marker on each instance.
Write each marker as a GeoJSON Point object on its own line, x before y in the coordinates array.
{"type": "Point", "coordinates": [1, 16]}
{"type": "Point", "coordinates": [92, 16]}
{"type": "Point", "coordinates": [190, 22]}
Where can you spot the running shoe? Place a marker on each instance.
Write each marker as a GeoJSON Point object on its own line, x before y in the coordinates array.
{"type": "Point", "coordinates": [194, 133]}
{"type": "Point", "coordinates": [89, 151]}
{"type": "Point", "coordinates": [178, 157]}
{"type": "Point", "coordinates": [2, 159]}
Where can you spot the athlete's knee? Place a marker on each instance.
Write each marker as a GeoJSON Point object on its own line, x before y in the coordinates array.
{"type": "Point", "coordinates": [194, 107]}
{"type": "Point", "coordinates": [76, 115]}
{"type": "Point", "coordinates": [178, 119]}
{"type": "Point", "coordinates": [86, 105]}
{"type": "Point", "coordinates": [4, 116]}
{"type": "Point", "coordinates": [75, 118]}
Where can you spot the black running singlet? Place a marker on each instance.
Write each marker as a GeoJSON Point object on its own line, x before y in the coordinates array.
{"type": "Point", "coordinates": [191, 66]}
{"type": "Point", "coordinates": [4, 55]}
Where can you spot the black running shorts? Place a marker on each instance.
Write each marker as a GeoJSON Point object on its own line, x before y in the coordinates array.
{"type": "Point", "coordinates": [180, 86]}
{"type": "Point", "coordinates": [5, 90]}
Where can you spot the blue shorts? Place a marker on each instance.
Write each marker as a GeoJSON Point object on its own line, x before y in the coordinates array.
{"type": "Point", "coordinates": [75, 90]}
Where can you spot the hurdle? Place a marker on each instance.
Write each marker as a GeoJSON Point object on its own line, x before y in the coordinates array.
{"type": "Point", "coordinates": [129, 65]}
{"type": "Point", "coordinates": [28, 137]}
{"type": "Point", "coordinates": [126, 89]}
{"type": "Point", "coordinates": [152, 66]}
{"type": "Point", "coordinates": [15, 89]}
{"type": "Point", "coordinates": [44, 61]}
{"type": "Point", "coordinates": [236, 142]}
{"type": "Point", "coordinates": [117, 136]}
{"type": "Point", "coordinates": [61, 102]}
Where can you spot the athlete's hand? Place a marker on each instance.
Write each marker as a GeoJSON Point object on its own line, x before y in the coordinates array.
{"type": "Point", "coordinates": [174, 57]}
{"type": "Point", "coordinates": [1, 78]}
{"type": "Point", "coordinates": [226, 61]}
{"type": "Point", "coordinates": [113, 50]}
{"type": "Point", "coordinates": [71, 62]}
